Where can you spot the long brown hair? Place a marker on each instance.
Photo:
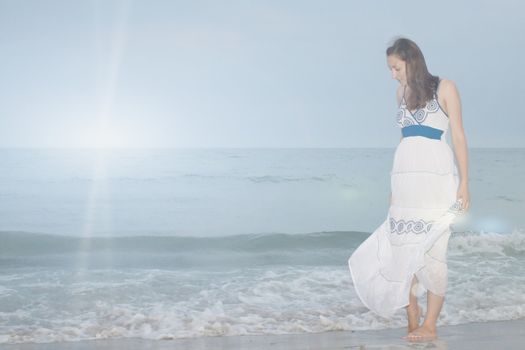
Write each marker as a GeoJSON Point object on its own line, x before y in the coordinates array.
{"type": "Point", "coordinates": [422, 84]}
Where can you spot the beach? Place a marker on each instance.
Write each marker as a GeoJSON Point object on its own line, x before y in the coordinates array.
{"type": "Point", "coordinates": [487, 335]}
{"type": "Point", "coordinates": [261, 175]}
{"type": "Point", "coordinates": [243, 249]}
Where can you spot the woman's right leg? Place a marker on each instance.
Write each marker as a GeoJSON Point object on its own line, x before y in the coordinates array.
{"type": "Point", "coordinates": [413, 309]}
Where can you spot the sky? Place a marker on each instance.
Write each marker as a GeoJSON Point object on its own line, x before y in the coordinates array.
{"type": "Point", "coordinates": [248, 73]}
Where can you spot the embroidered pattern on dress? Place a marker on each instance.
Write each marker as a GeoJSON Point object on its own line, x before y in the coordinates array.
{"type": "Point", "coordinates": [410, 226]}
{"type": "Point", "coordinates": [457, 207]}
{"type": "Point", "coordinates": [405, 118]}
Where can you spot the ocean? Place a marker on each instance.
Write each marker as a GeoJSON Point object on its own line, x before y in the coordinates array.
{"type": "Point", "coordinates": [173, 243]}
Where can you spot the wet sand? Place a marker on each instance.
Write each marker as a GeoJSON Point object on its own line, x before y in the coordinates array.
{"type": "Point", "coordinates": [507, 335]}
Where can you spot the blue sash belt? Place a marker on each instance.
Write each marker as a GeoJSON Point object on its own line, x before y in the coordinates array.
{"type": "Point", "coordinates": [422, 130]}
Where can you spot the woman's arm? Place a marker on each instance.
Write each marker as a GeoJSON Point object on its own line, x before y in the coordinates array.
{"type": "Point", "coordinates": [453, 105]}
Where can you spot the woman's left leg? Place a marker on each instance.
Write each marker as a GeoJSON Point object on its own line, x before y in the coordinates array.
{"type": "Point", "coordinates": [428, 328]}
{"type": "Point", "coordinates": [434, 275]}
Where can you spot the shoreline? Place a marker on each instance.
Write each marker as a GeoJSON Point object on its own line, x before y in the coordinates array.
{"type": "Point", "coordinates": [476, 336]}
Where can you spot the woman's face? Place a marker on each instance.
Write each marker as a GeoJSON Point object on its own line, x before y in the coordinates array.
{"type": "Point", "coordinates": [398, 69]}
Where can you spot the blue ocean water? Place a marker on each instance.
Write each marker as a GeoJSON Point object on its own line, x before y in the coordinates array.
{"type": "Point", "coordinates": [197, 242]}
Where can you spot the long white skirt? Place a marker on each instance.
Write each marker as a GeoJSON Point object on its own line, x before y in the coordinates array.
{"type": "Point", "coordinates": [413, 239]}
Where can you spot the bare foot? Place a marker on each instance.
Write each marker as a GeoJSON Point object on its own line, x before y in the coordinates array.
{"type": "Point", "coordinates": [422, 333]}
{"type": "Point", "coordinates": [414, 317]}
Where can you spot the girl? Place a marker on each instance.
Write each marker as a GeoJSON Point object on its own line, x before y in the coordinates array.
{"type": "Point", "coordinates": [406, 255]}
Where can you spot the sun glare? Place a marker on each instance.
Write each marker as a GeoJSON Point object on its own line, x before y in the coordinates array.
{"type": "Point", "coordinates": [102, 136]}
{"type": "Point", "coordinates": [107, 137]}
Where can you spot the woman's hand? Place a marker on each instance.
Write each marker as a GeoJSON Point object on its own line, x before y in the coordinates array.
{"type": "Point", "coordinates": [464, 195]}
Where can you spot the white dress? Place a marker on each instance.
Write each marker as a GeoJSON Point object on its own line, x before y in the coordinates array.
{"type": "Point", "coordinates": [414, 237]}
